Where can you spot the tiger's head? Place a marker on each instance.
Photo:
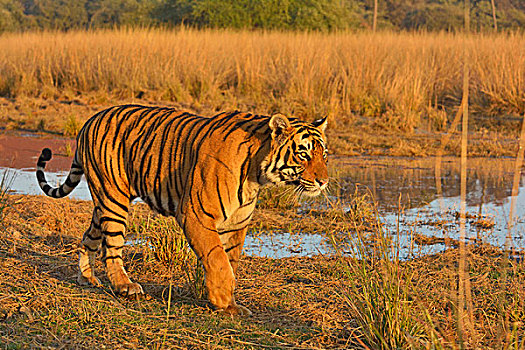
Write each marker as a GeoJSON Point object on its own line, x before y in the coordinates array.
{"type": "Point", "coordinates": [298, 154]}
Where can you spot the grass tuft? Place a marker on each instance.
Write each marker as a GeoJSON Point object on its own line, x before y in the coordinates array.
{"type": "Point", "coordinates": [71, 126]}
{"type": "Point", "coordinates": [277, 197]}
{"type": "Point", "coordinates": [382, 300]}
{"type": "Point", "coordinates": [165, 241]}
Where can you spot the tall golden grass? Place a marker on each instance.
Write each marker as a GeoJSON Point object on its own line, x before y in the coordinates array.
{"type": "Point", "coordinates": [401, 80]}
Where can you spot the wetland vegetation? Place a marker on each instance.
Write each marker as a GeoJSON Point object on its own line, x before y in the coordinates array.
{"type": "Point", "coordinates": [386, 94]}
{"type": "Point", "coordinates": [366, 299]}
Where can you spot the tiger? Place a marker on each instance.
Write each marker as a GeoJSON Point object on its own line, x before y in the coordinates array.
{"type": "Point", "coordinates": [204, 171]}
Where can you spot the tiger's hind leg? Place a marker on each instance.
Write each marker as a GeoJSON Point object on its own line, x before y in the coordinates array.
{"type": "Point", "coordinates": [89, 247]}
{"type": "Point", "coordinates": [113, 227]}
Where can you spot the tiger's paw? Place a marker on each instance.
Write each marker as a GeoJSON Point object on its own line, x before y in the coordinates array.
{"type": "Point", "coordinates": [236, 310]}
{"type": "Point", "coordinates": [130, 290]}
{"type": "Point", "coordinates": [89, 281]}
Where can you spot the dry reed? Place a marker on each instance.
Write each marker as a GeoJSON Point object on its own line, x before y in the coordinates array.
{"type": "Point", "coordinates": [465, 322]}
{"type": "Point", "coordinates": [401, 80]}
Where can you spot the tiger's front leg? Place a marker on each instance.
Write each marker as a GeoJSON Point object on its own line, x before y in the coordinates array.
{"type": "Point", "coordinates": [233, 243]}
{"type": "Point", "coordinates": [220, 278]}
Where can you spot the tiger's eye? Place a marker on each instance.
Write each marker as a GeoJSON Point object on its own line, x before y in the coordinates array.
{"type": "Point", "coordinates": [303, 155]}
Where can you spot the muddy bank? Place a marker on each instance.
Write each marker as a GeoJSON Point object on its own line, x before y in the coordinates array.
{"type": "Point", "coordinates": [22, 151]}
{"type": "Point", "coordinates": [358, 136]}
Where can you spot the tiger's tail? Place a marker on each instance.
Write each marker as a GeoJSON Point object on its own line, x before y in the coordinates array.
{"type": "Point", "coordinates": [73, 178]}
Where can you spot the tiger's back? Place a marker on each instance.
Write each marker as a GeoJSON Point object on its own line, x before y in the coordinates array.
{"type": "Point", "coordinates": [160, 154]}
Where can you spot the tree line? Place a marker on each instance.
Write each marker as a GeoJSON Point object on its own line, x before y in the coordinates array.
{"type": "Point", "coordinates": [324, 15]}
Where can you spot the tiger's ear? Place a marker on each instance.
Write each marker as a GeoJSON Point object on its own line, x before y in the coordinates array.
{"type": "Point", "coordinates": [321, 123]}
{"type": "Point", "coordinates": [279, 124]}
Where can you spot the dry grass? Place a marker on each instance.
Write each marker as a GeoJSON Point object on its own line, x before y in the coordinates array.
{"type": "Point", "coordinates": [298, 302]}
{"type": "Point", "coordinates": [392, 80]}
{"type": "Point", "coordinates": [42, 305]}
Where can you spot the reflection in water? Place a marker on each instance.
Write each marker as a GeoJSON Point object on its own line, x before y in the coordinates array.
{"type": "Point", "coordinates": [411, 182]}
{"type": "Point", "coordinates": [408, 187]}
{"type": "Point", "coordinates": [405, 192]}
{"type": "Point", "coordinates": [282, 245]}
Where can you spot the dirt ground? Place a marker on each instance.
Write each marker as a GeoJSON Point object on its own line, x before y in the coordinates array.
{"type": "Point", "coordinates": [347, 136]}
{"type": "Point", "coordinates": [302, 303]}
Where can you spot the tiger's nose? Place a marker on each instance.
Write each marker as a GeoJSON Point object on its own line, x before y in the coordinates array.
{"type": "Point", "coordinates": [321, 183]}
